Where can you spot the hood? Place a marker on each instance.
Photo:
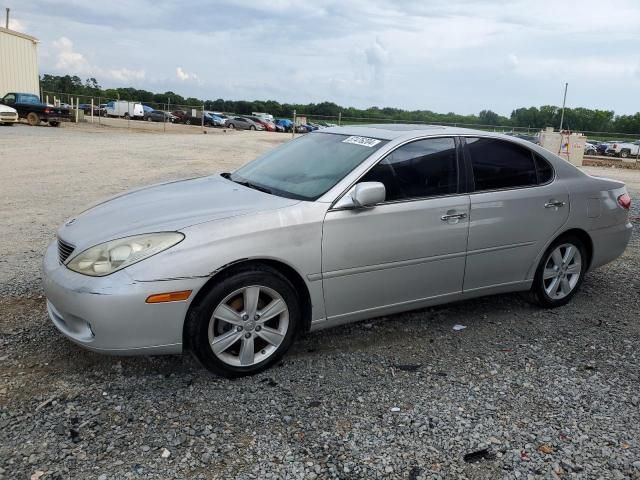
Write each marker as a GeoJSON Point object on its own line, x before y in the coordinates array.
{"type": "Point", "coordinates": [6, 108]}
{"type": "Point", "coordinates": [166, 207]}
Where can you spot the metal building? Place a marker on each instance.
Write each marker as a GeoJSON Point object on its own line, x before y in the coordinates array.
{"type": "Point", "coordinates": [18, 63]}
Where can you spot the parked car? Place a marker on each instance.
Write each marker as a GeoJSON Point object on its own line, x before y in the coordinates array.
{"type": "Point", "coordinates": [266, 124]}
{"type": "Point", "coordinates": [125, 109]}
{"type": "Point", "coordinates": [285, 123]}
{"type": "Point", "coordinates": [623, 149]}
{"type": "Point", "coordinates": [30, 107]}
{"type": "Point", "coordinates": [266, 116]}
{"type": "Point", "coordinates": [87, 108]}
{"type": "Point", "coordinates": [590, 149]}
{"type": "Point", "coordinates": [8, 115]}
{"type": "Point", "coordinates": [601, 148]}
{"type": "Point", "coordinates": [243, 123]}
{"type": "Point", "coordinates": [180, 115]}
{"type": "Point", "coordinates": [337, 226]}
{"type": "Point", "coordinates": [215, 120]}
{"type": "Point", "coordinates": [159, 116]}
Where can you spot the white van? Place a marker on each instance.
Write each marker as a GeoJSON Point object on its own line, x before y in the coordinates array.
{"type": "Point", "coordinates": [265, 116]}
{"type": "Point", "coordinates": [122, 108]}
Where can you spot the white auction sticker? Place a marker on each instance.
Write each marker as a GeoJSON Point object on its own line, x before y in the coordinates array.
{"type": "Point", "coordinates": [363, 141]}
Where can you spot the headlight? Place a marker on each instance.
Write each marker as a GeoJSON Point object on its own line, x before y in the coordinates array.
{"type": "Point", "coordinates": [115, 255]}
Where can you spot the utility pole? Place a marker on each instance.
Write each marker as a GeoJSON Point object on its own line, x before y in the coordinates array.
{"type": "Point", "coordinates": [564, 101]}
{"type": "Point", "coordinates": [7, 21]}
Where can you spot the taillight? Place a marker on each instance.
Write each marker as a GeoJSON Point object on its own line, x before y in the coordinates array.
{"type": "Point", "coordinates": [624, 201]}
{"type": "Point", "coordinates": [47, 110]}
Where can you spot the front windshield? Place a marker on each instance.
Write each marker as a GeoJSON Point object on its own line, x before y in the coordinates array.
{"type": "Point", "coordinates": [309, 166]}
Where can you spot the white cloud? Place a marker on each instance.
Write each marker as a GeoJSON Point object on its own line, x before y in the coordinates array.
{"type": "Point", "coordinates": [17, 25]}
{"type": "Point", "coordinates": [67, 59]}
{"type": "Point", "coordinates": [183, 76]}
{"type": "Point", "coordinates": [72, 62]}
{"type": "Point", "coordinates": [124, 74]}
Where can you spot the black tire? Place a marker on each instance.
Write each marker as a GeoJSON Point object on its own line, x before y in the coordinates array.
{"type": "Point", "coordinates": [188, 122]}
{"type": "Point", "coordinates": [54, 124]}
{"type": "Point", "coordinates": [149, 119]}
{"type": "Point", "coordinates": [200, 316]}
{"type": "Point", "coordinates": [538, 293]}
{"type": "Point", "coordinates": [33, 118]}
{"type": "Point", "coordinates": [231, 125]}
{"type": "Point", "coordinates": [127, 116]}
{"type": "Point", "coordinates": [252, 127]}
{"type": "Point", "coordinates": [624, 153]}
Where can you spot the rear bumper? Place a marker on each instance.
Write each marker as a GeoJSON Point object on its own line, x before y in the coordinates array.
{"type": "Point", "coordinates": [109, 314]}
{"type": "Point", "coordinates": [54, 118]}
{"type": "Point", "coordinates": [609, 243]}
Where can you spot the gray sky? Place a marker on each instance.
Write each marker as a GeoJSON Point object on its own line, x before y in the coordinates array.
{"type": "Point", "coordinates": [442, 55]}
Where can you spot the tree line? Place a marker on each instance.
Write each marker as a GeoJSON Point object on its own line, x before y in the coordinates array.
{"type": "Point", "coordinates": [579, 119]}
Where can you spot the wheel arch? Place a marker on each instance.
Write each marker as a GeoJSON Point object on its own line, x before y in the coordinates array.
{"type": "Point", "coordinates": [582, 235]}
{"type": "Point", "coordinates": [229, 269]}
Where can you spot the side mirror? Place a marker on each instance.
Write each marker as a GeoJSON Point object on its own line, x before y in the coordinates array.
{"type": "Point", "coordinates": [363, 195]}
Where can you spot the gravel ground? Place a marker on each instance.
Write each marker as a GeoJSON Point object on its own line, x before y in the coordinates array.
{"type": "Point", "coordinates": [520, 393]}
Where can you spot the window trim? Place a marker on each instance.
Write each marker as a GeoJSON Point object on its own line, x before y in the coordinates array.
{"type": "Point", "coordinates": [459, 166]}
{"type": "Point", "coordinates": [469, 166]}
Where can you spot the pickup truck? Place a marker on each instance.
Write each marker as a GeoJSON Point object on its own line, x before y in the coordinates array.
{"type": "Point", "coordinates": [623, 149]}
{"type": "Point", "coordinates": [30, 107]}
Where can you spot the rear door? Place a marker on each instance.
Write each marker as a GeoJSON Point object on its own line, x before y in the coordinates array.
{"type": "Point", "coordinates": [517, 205]}
{"type": "Point", "coordinates": [407, 249]}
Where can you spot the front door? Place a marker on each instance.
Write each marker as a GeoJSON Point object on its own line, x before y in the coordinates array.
{"type": "Point", "coordinates": [516, 207]}
{"type": "Point", "coordinates": [405, 250]}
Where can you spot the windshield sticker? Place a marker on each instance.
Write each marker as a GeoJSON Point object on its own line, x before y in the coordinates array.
{"type": "Point", "coordinates": [363, 141]}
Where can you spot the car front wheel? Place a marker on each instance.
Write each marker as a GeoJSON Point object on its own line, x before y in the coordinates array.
{"type": "Point", "coordinates": [560, 272]}
{"type": "Point", "coordinates": [245, 322]}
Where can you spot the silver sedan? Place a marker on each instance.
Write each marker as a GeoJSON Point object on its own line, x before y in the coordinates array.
{"type": "Point", "coordinates": [334, 227]}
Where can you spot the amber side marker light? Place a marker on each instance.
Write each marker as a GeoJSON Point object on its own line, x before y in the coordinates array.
{"type": "Point", "coordinates": [168, 297]}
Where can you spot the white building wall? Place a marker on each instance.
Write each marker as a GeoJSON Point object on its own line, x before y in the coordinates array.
{"type": "Point", "coordinates": [18, 63]}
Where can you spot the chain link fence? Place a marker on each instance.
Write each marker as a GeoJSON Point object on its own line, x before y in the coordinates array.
{"type": "Point", "coordinates": [169, 117]}
{"type": "Point", "coordinates": [128, 113]}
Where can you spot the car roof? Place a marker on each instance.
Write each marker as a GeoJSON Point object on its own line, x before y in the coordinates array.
{"type": "Point", "coordinates": [393, 131]}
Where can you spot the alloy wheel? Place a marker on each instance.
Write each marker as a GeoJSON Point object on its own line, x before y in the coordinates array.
{"type": "Point", "coordinates": [562, 271]}
{"type": "Point", "coordinates": [248, 326]}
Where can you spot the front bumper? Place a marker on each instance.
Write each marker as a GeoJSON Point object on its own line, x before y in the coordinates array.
{"type": "Point", "coordinates": [109, 314]}
{"type": "Point", "coordinates": [9, 118]}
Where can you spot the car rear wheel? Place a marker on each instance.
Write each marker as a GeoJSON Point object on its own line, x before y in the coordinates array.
{"type": "Point", "coordinates": [560, 272]}
{"type": "Point", "coordinates": [624, 153]}
{"type": "Point", "coordinates": [231, 125]}
{"type": "Point", "coordinates": [245, 322]}
{"type": "Point", "coordinates": [126, 116]}
{"type": "Point", "coordinates": [252, 127]}
{"type": "Point", "coordinates": [188, 122]}
{"type": "Point", "coordinates": [149, 119]}
{"type": "Point", "coordinates": [33, 118]}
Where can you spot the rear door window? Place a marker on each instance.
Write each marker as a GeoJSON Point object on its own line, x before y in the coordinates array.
{"type": "Point", "coordinates": [498, 164]}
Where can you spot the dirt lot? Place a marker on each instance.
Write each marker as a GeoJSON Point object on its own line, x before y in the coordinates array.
{"type": "Point", "coordinates": [540, 394]}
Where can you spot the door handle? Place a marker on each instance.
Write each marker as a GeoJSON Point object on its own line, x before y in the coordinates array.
{"type": "Point", "coordinates": [453, 216]}
{"type": "Point", "coordinates": [554, 204]}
